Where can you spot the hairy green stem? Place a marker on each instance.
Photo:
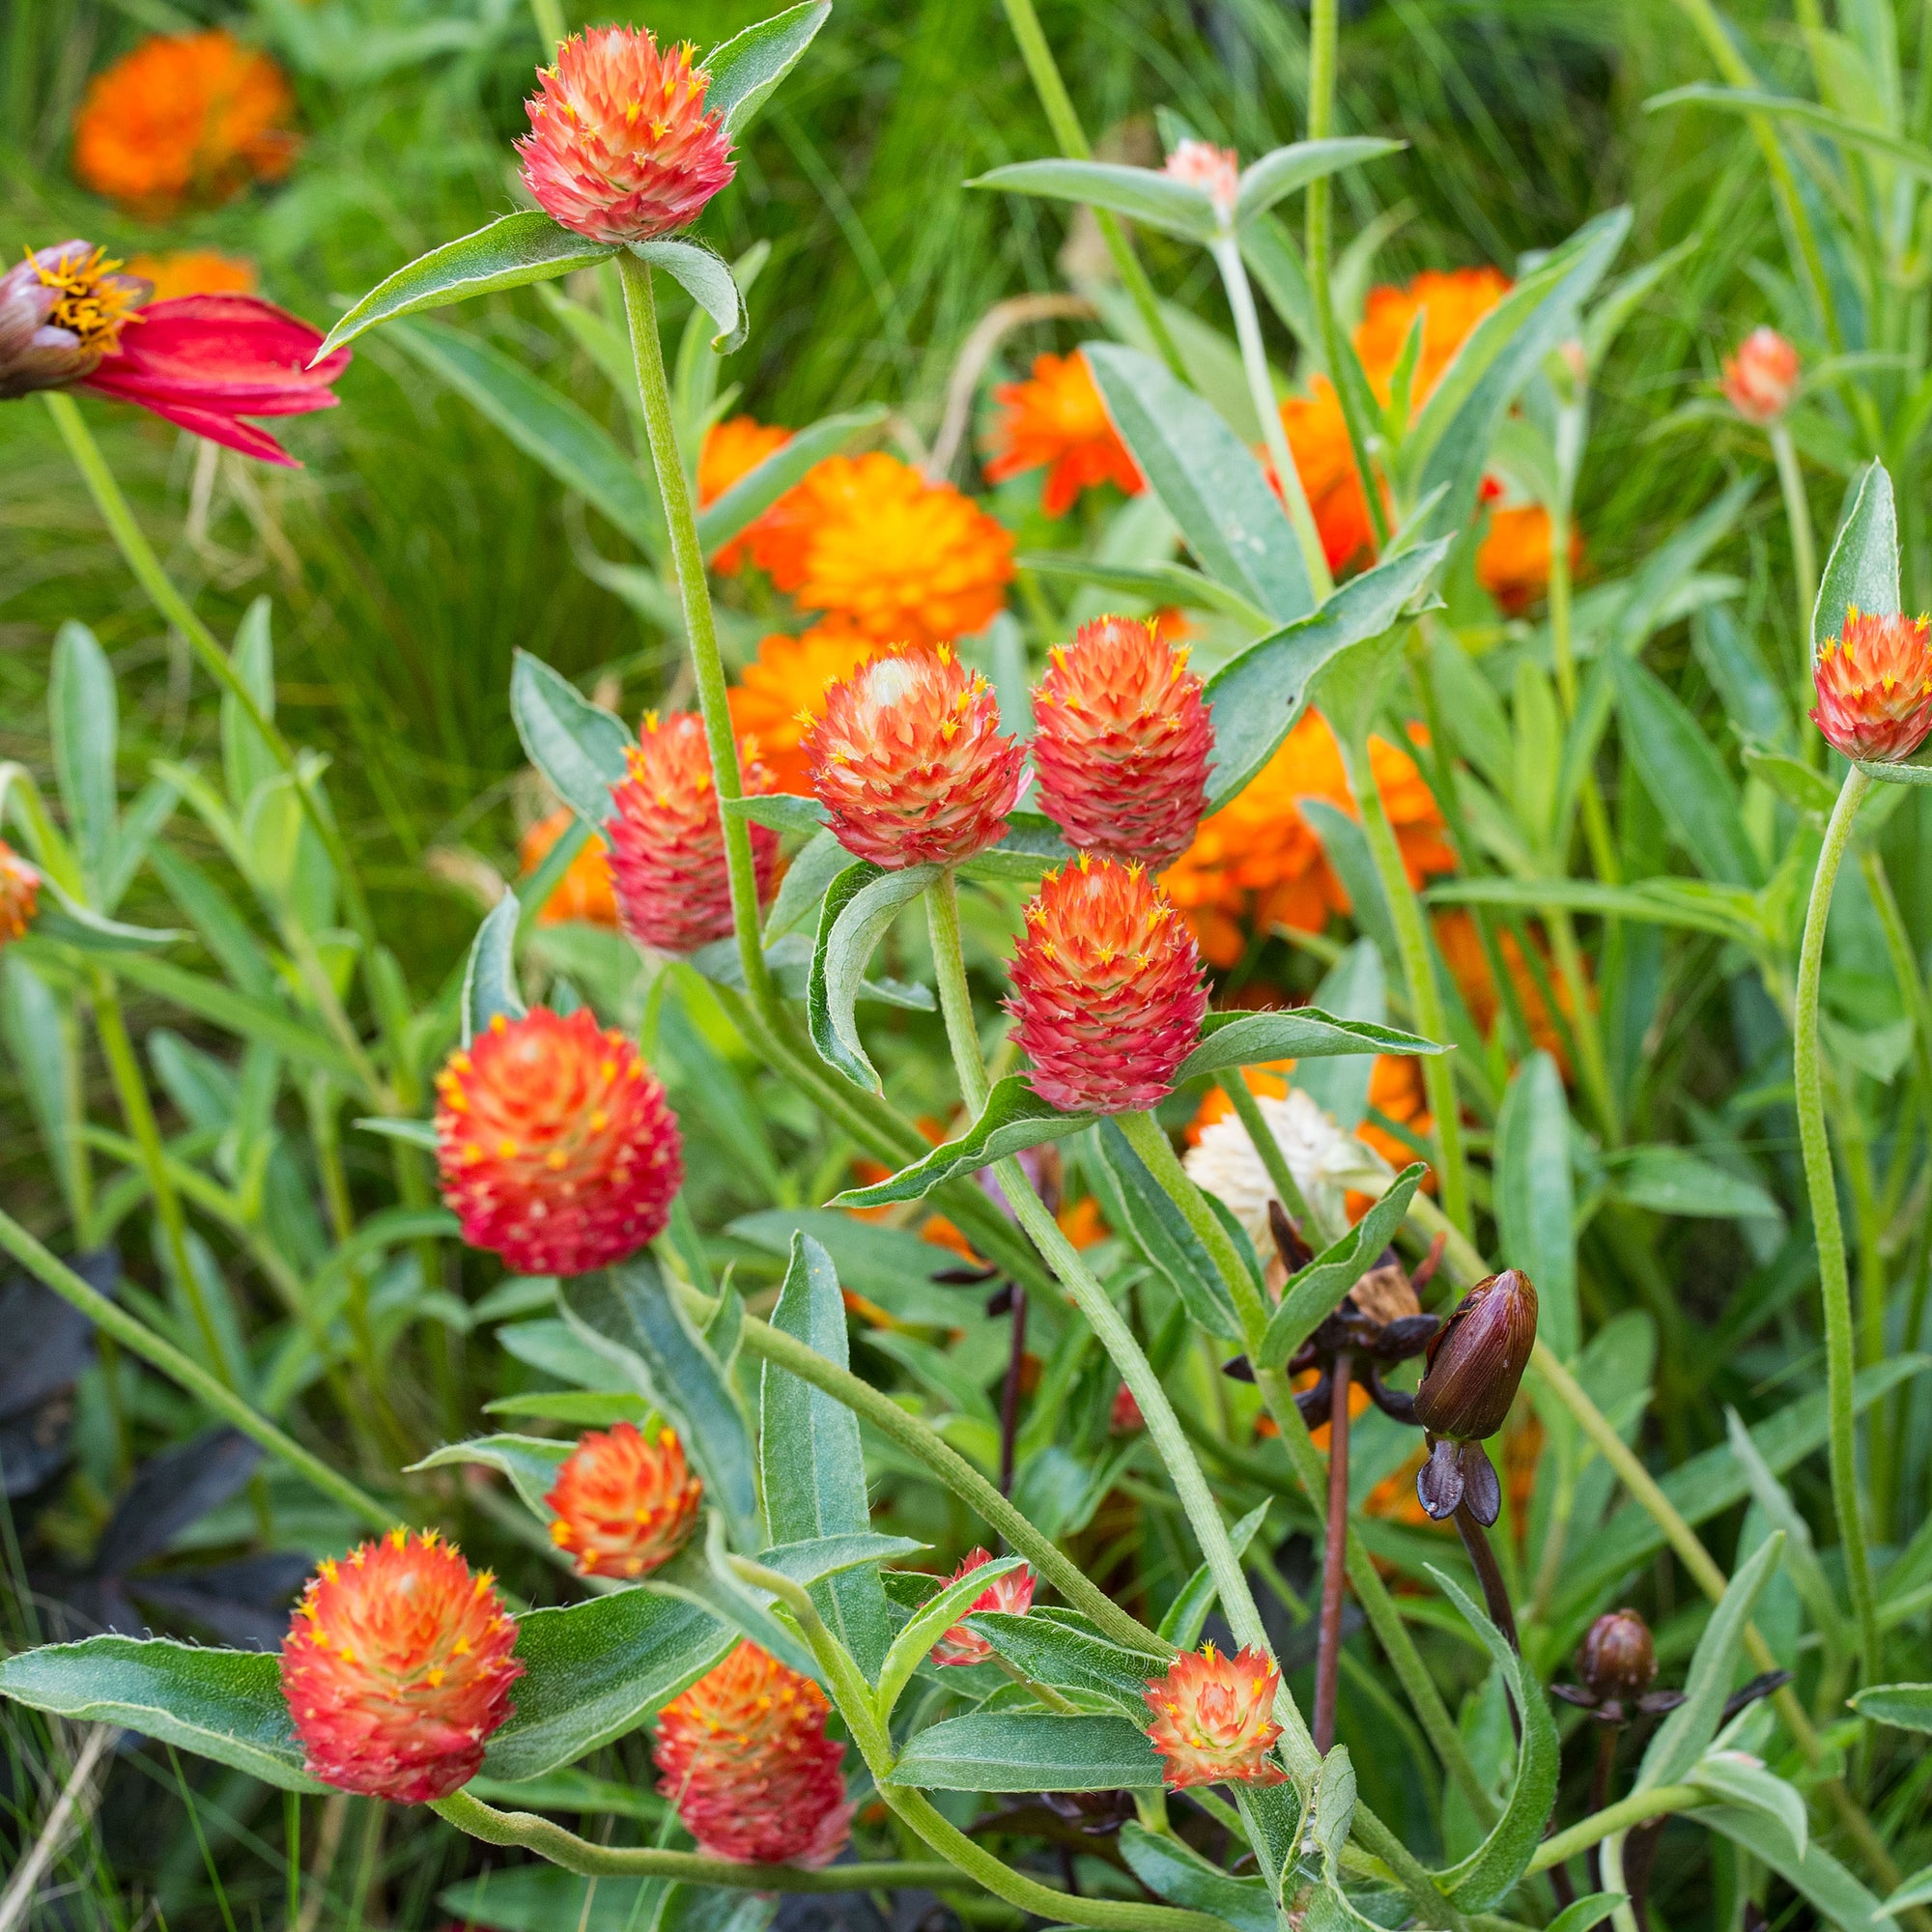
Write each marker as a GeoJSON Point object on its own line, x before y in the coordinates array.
{"type": "Point", "coordinates": [1659, 1802]}
{"type": "Point", "coordinates": [1803, 563]}
{"type": "Point", "coordinates": [1821, 1183]}
{"type": "Point", "coordinates": [955, 996]}
{"type": "Point", "coordinates": [548, 17]}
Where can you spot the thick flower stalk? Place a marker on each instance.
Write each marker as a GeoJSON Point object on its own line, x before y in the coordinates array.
{"type": "Point", "coordinates": [1056, 421]}
{"type": "Point", "coordinates": [621, 146]}
{"type": "Point", "coordinates": [666, 838]}
{"type": "Point", "coordinates": [910, 762]}
{"type": "Point", "coordinates": [555, 1146]}
{"type": "Point", "coordinates": [1212, 1719]}
{"type": "Point", "coordinates": [744, 1756]}
{"type": "Point", "coordinates": [397, 1669]}
{"type": "Point", "coordinates": [1011, 1592]}
{"type": "Point", "coordinates": [1874, 685]}
{"type": "Point", "coordinates": [1123, 743]}
{"type": "Point", "coordinates": [19, 894]}
{"type": "Point", "coordinates": [1107, 989]}
{"type": "Point", "coordinates": [625, 1502]}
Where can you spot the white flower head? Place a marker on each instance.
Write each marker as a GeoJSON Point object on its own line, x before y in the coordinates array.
{"type": "Point", "coordinates": [1325, 1162]}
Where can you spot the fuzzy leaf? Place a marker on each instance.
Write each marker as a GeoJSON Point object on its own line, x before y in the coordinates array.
{"type": "Point", "coordinates": [579, 747]}
{"type": "Point", "coordinates": [1015, 1117]}
{"type": "Point", "coordinates": [1281, 171]}
{"type": "Point", "coordinates": [490, 976]}
{"type": "Point", "coordinates": [1136, 1205]}
{"type": "Point", "coordinates": [529, 1461]}
{"type": "Point", "coordinates": [860, 903]}
{"type": "Point", "coordinates": [1053, 1650]}
{"type": "Point", "coordinates": [1014, 1751]}
{"type": "Point", "coordinates": [1300, 1032]}
{"type": "Point", "coordinates": [1908, 1707]}
{"type": "Point", "coordinates": [1141, 194]}
{"type": "Point", "coordinates": [706, 277]}
{"type": "Point", "coordinates": [1534, 1196]}
{"type": "Point", "coordinates": [1862, 570]}
{"type": "Point", "coordinates": [930, 1622]}
{"type": "Point", "coordinates": [744, 69]}
{"type": "Point", "coordinates": [1178, 1873]}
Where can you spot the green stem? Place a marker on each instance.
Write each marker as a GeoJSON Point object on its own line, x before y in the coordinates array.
{"type": "Point", "coordinates": [188, 1374]}
{"type": "Point", "coordinates": [1064, 121]}
{"type": "Point", "coordinates": [1288, 1190]}
{"type": "Point", "coordinates": [547, 17]}
{"type": "Point", "coordinates": [1803, 558]}
{"type": "Point", "coordinates": [1562, 625]}
{"type": "Point", "coordinates": [1418, 969]}
{"type": "Point", "coordinates": [1148, 1140]}
{"type": "Point", "coordinates": [955, 996]}
{"type": "Point", "coordinates": [1226, 253]}
{"type": "Point", "coordinates": [1659, 1802]}
{"type": "Point", "coordinates": [1821, 1183]}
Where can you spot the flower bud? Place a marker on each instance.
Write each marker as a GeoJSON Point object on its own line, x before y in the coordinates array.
{"type": "Point", "coordinates": [19, 894]}
{"type": "Point", "coordinates": [1216, 171]}
{"type": "Point", "coordinates": [1476, 1362]}
{"type": "Point", "coordinates": [1874, 684]}
{"type": "Point", "coordinates": [1762, 376]}
{"type": "Point", "coordinates": [1616, 1659]}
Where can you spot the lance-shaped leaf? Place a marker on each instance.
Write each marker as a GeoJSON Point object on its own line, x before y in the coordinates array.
{"type": "Point", "coordinates": [702, 1574]}
{"type": "Point", "coordinates": [1057, 1648]}
{"type": "Point", "coordinates": [1015, 1117]}
{"type": "Point", "coordinates": [1029, 846]}
{"type": "Point", "coordinates": [1281, 171]}
{"type": "Point", "coordinates": [519, 249]}
{"type": "Point", "coordinates": [579, 747]}
{"type": "Point", "coordinates": [930, 1622]}
{"type": "Point", "coordinates": [1015, 1751]}
{"type": "Point", "coordinates": [861, 902]}
{"type": "Point", "coordinates": [1817, 1877]}
{"type": "Point", "coordinates": [1534, 1196]}
{"type": "Point", "coordinates": [1165, 582]}
{"type": "Point", "coordinates": [1908, 1706]}
{"type": "Point", "coordinates": [1257, 698]}
{"type": "Point", "coordinates": [743, 70]}
{"type": "Point", "coordinates": [1302, 1033]}
{"type": "Point", "coordinates": [1739, 1779]}
{"type": "Point", "coordinates": [818, 1557]}
{"type": "Point", "coordinates": [1210, 483]}
{"type": "Point", "coordinates": [529, 1461]}
{"type": "Point", "coordinates": [490, 975]}
{"type": "Point", "coordinates": [1188, 1615]}
{"type": "Point", "coordinates": [1178, 1873]}
{"type": "Point", "coordinates": [764, 483]}
{"type": "Point", "coordinates": [1145, 195]}
{"type": "Point", "coordinates": [1136, 1204]}
{"type": "Point", "coordinates": [1861, 572]}
{"type": "Point", "coordinates": [781, 811]}
{"type": "Point", "coordinates": [706, 277]}
{"type": "Point", "coordinates": [1311, 1296]}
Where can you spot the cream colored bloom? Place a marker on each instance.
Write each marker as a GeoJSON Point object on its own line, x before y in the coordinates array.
{"type": "Point", "coordinates": [1326, 1164]}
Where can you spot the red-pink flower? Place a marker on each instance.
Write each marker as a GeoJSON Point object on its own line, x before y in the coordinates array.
{"type": "Point", "coordinates": [626, 1503]}
{"type": "Point", "coordinates": [621, 147]}
{"type": "Point", "coordinates": [19, 894]}
{"type": "Point", "coordinates": [1874, 684]}
{"type": "Point", "coordinates": [1761, 378]}
{"type": "Point", "coordinates": [1213, 1720]}
{"type": "Point", "coordinates": [1011, 1592]}
{"type": "Point", "coordinates": [397, 1668]}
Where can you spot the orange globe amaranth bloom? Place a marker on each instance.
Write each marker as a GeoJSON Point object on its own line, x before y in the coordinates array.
{"type": "Point", "coordinates": [621, 147]}
{"type": "Point", "coordinates": [1056, 421]}
{"type": "Point", "coordinates": [910, 762]}
{"type": "Point", "coordinates": [19, 894]}
{"type": "Point", "coordinates": [1512, 558]}
{"type": "Point", "coordinates": [782, 690]}
{"type": "Point", "coordinates": [1256, 862]}
{"type": "Point", "coordinates": [1123, 742]}
{"type": "Point", "coordinates": [555, 1146]}
{"type": "Point", "coordinates": [1011, 1592]}
{"type": "Point", "coordinates": [196, 272]}
{"type": "Point", "coordinates": [1874, 684]}
{"type": "Point", "coordinates": [1761, 378]}
{"type": "Point", "coordinates": [901, 559]}
{"type": "Point", "coordinates": [1213, 1719]}
{"type": "Point", "coordinates": [397, 1669]}
{"type": "Point", "coordinates": [733, 449]}
{"type": "Point", "coordinates": [666, 837]}
{"type": "Point", "coordinates": [625, 1503]}
{"type": "Point", "coordinates": [584, 892]}
{"type": "Point", "coordinates": [744, 1756]}
{"type": "Point", "coordinates": [184, 118]}
{"type": "Point", "coordinates": [1107, 989]}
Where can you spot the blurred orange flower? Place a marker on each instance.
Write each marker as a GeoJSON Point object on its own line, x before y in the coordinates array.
{"type": "Point", "coordinates": [196, 272]}
{"type": "Point", "coordinates": [1455, 301]}
{"type": "Point", "coordinates": [184, 118]}
{"type": "Point", "coordinates": [1513, 559]}
{"type": "Point", "coordinates": [584, 893]}
{"type": "Point", "coordinates": [1318, 439]}
{"type": "Point", "coordinates": [1056, 421]}
{"type": "Point", "coordinates": [787, 678]}
{"type": "Point", "coordinates": [1461, 945]}
{"type": "Point", "coordinates": [1256, 862]}
{"type": "Point", "coordinates": [732, 449]}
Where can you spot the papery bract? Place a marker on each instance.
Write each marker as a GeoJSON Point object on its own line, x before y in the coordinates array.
{"type": "Point", "coordinates": [780, 693]}
{"type": "Point", "coordinates": [1213, 1719]}
{"type": "Point", "coordinates": [625, 1502]}
{"type": "Point", "coordinates": [1761, 378]}
{"type": "Point", "coordinates": [1011, 1592]}
{"type": "Point", "coordinates": [1216, 171]}
{"type": "Point", "coordinates": [1874, 685]}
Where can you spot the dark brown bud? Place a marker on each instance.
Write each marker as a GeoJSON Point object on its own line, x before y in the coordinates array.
{"type": "Point", "coordinates": [1615, 1660]}
{"type": "Point", "coordinates": [1476, 1362]}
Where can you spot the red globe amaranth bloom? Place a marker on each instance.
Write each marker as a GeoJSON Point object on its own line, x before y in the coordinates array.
{"type": "Point", "coordinates": [1761, 378]}
{"type": "Point", "coordinates": [1216, 171]}
{"type": "Point", "coordinates": [1011, 1592]}
{"type": "Point", "coordinates": [1874, 683]}
{"type": "Point", "coordinates": [1212, 1720]}
{"type": "Point", "coordinates": [620, 148]}
{"type": "Point", "coordinates": [744, 1756]}
{"type": "Point", "coordinates": [625, 1503]}
{"type": "Point", "coordinates": [397, 1668]}
{"type": "Point", "coordinates": [1121, 743]}
{"type": "Point", "coordinates": [1106, 989]}
{"type": "Point", "coordinates": [667, 838]}
{"type": "Point", "coordinates": [19, 894]}
{"type": "Point", "coordinates": [555, 1144]}
{"type": "Point", "coordinates": [1124, 1418]}
{"type": "Point", "coordinates": [909, 761]}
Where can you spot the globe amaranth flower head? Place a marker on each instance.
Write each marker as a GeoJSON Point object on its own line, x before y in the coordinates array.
{"type": "Point", "coordinates": [1213, 1719]}
{"type": "Point", "coordinates": [1216, 171]}
{"type": "Point", "coordinates": [1761, 378]}
{"type": "Point", "coordinates": [666, 838]}
{"type": "Point", "coordinates": [625, 1502]}
{"type": "Point", "coordinates": [908, 759]}
{"type": "Point", "coordinates": [555, 1146]}
{"type": "Point", "coordinates": [1121, 743]}
{"type": "Point", "coordinates": [1011, 1592]}
{"type": "Point", "coordinates": [19, 894]}
{"type": "Point", "coordinates": [1874, 685]}
{"type": "Point", "coordinates": [744, 1756]}
{"type": "Point", "coordinates": [397, 1669]}
{"type": "Point", "coordinates": [69, 319]}
{"type": "Point", "coordinates": [1107, 989]}
{"type": "Point", "coordinates": [621, 146]}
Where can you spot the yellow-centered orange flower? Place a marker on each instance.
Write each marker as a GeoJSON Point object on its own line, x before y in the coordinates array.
{"type": "Point", "coordinates": [732, 449]}
{"type": "Point", "coordinates": [625, 1503]}
{"type": "Point", "coordinates": [1213, 1719]}
{"type": "Point", "coordinates": [1512, 558]}
{"type": "Point", "coordinates": [1874, 684]}
{"type": "Point", "coordinates": [1056, 421]}
{"type": "Point", "coordinates": [782, 690]}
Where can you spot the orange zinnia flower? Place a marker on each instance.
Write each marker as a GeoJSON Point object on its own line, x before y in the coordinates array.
{"type": "Point", "coordinates": [194, 271]}
{"type": "Point", "coordinates": [1461, 945]}
{"type": "Point", "coordinates": [1513, 559]}
{"type": "Point", "coordinates": [1256, 862]}
{"type": "Point", "coordinates": [185, 117]}
{"type": "Point", "coordinates": [584, 893]}
{"type": "Point", "coordinates": [1318, 439]}
{"type": "Point", "coordinates": [1056, 421]}
{"type": "Point", "coordinates": [733, 449]}
{"type": "Point", "coordinates": [786, 682]}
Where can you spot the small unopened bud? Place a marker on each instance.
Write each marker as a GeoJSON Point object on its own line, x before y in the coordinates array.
{"type": "Point", "coordinates": [1476, 1362]}
{"type": "Point", "coordinates": [1761, 378]}
{"type": "Point", "coordinates": [1616, 1659]}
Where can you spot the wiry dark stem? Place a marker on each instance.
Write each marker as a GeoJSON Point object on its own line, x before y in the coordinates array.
{"type": "Point", "coordinates": [1495, 1593]}
{"type": "Point", "coordinates": [1334, 1559]}
{"type": "Point", "coordinates": [1599, 1796]}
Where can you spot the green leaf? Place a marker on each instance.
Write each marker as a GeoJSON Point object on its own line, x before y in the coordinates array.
{"type": "Point", "coordinates": [1029, 846]}
{"type": "Point", "coordinates": [529, 1461]}
{"type": "Point", "coordinates": [1301, 1033]}
{"type": "Point", "coordinates": [627, 1314]}
{"type": "Point", "coordinates": [542, 423]}
{"type": "Point", "coordinates": [781, 811]}
{"type": "Point", "coordinates": [1334, 1811]}
{"type": "Point", "coordinates": [1022, 1750]}
{"type": "Point", "coordinates": [929, 1623]}
{"type": "Point", "coordinates": [762, 484]}
{"type": "Point", "coordinates": [1817, 1876]}
{"type": "Point", "coordinates": [1907, 1707]}
{"type": "Point", "coordinates": [239, 1013]}
{"type": "Point", "coordinates": [519, 249]}
{"type": "Point", "coordinates": [1874, 139]}
{"type": "Point", "coordinates": [1281, 171]}
{"type": "Point", "coordinates": [1178, 1873]}
{"type": "Point", "coordinates": [744, 69]}
{"type": "Point", "coordinates": [490, 975]}
{"type": "Point", "coordinates": [818, 1557]}
{"type": "Point", "coordinates": [1804, 790]}
{"type": "Point", "coordinates": [1188, 1615]}
{"type": "Point", "coordinates": [1015, 1117]}
{"type": "Point", "coordinates": [1915, 1891]}
{"type": "Point", "coordinates": [412, 1133]}
{"type": "Point", "coordinates": [1165, 582]}
{"type": "Point", "coordinates": [1744, 1780]}
{"type": "Point", "coordinates": [1674, 1181]}
{"type": "Point", "coordinates": [1800, 1554]}
{"type": "Point", "coordinates": [1311, 1296]}
{"type": "Point", "coordinates": [68, 922]}
{"type": "Point", "coordinates": [579, 747]}
{"type": "Point", "coordinates": [803, 889]}
{"type": "Point", "coordinates": [1862, 570]}
{"type": "Point", "coordinates": [702, 1573]}
{"type": "Point", "coordinates": [577, 1408]}
{"type": "Point", "coordinates": [40, 1036]}
{"type": "Point", "coordinates": [1258, 696]}
{"type": "Point", "coordinates": [1136, 1205]}
{"type": "Point", "coordinates": [1659, 901]}
{"type": "Point", "coordinates": [1053, 1649]}
{"type": "Point", "coordinates": [706, 277]}
{"type": "Point", "coordinates": [223, 1704]}
{"type": "Point", "coordinates": [1583, 1913]}
{"type": "Point", "coordinates": [1485, 1878]}
{"type": "Point", "coordinates": [1145, 195]}
{"type": "Point", "coordinates": [1212, 486]}
{"type": "Point", "coordinates": [813, 1464]}
{"type": "Point", "coordinates": [861, 902]}
{"type": "Point", "coordinates": [1535, 1199]}
{"type": "Point", "coordinates": [84, 721]}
